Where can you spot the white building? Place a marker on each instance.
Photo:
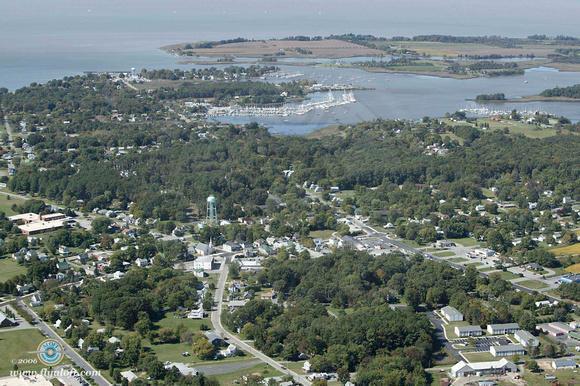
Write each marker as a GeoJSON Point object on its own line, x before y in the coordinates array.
{"type": "Point", "coordinates": [463, 331]}
{"type": "Point", "coordinates": [526, 339]}
{"type": "Point", "coordinates": [451, 314]}
{"type": "Point", "coordinates": [203, 262]}
{"type": "Point", "coordinates": [463, 369]}
{"type": "Point", "coordinates": [507, 351]}
{"type": "Point", "coordinates": [506, 328]}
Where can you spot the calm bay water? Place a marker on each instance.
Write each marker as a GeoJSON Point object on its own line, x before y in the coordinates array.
{"type": "Point", "coordinates": [46, 39]}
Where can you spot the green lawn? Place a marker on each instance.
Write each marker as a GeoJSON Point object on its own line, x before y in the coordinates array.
{"type": "Point", "coordinates": [265, 370]}
{"type": "Point", "coordinates": [9, 268]}
{"type": "Point", "coordinates": [466, 242]}
{"type": "Point", "coordinates": [507, 275]}
{"type": "Point", "coordinates": [450, 329]}
{"type": "Point", "coordinates": [474, 265]}
{"type": "Point", "coordinates": [412, 243]}
{"type": "Point", "coordinates": [445, 254]}
{"type": "Point", "coordinates": [6, 205]}
{"type": "Point", "coordinates": [487, 269]}
{"type": "Point", "coordinates": [337, 311]}
{"type": "Point", "coordinates": [532, 284]}
{"type": "Point", "coordinates": [326, 234]}
{"type": "Point", "coordinates": [480, 357]}
{"type": "Point", "coordinates": [457, 259]}
{"type": "Point", "coordinates": [559, 271]}
{"type": "Point", "coordinates": [294, 366]}
{"type": "Point", "coordinates": [191, 324]}
{"type": "Point", "coordinates": [15, 346]}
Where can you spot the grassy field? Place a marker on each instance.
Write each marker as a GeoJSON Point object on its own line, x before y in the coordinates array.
{"type": "Point", "coordinates": [450, 329]}
{"type": "Point", "coordinates": [9, 268]}
{"type": "Point", "coordinates": [558, 271]}
{"type": "Point", "coordinates": [412, 243]}
{"type": "Point", "coordinates": [326, 234]}
{"type": "Point", "coordinates": [444, 254]}
{"type": "Point", "coordinates": [192, 324]}
{"type": "Point", "coordinates": [336, 311]}
{"type": "Point", "coordinates": [15, 346]}
{"type": "Point", "coordinates": [457, 259]}
{"type": "Point", "coordinates": [474, 265]}
{"type": "Point", "coordinates": [573, 268]}
{"type": "Point", "coordinates": [563, 376]}
{"type": "Point", "coordinates": [6, 205]}
{"type": "Point", "coordinates": [479, 357]}
{"type": "Point", "coordinates": [264, 369]}
{"type": "Point", "coordinates": [466, 242]}
{"type": "Point", "coordinates": [443, 358]}
{"type": "Point", "coordinates": [565, 251]}
{"type": "Point", "coordinates": [532, 284]}
{"type": "Point", "coordinates": [295, 366]}
{"type": "Point", "coordinates": [514, 128]}
{"type": "Point", "coordinates": [487, 269]}
{"type": "Point", "coordinates": [507, 275]}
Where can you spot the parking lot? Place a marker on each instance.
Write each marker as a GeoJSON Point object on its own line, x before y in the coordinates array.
{"type": "Point", "coordinates": [483, 344]}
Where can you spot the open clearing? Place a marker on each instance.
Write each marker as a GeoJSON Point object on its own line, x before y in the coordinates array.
{"type": "Point", "coordinates": [532, 284]}
{"type": "Point", "coordinates": [10, 268]}
{"type": "Point", "coordinates": [569, 250]}
{"type": "Point", "coordinates": [16, 346]}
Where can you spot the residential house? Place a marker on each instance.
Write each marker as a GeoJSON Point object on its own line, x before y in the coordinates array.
{"type": "Point", "coordinates": [24, 289]}
{"type": "Point", "coordinates": [213, 338]}
{"type": "Point", "coordinates": [229, 352]}
{"type": "Point", "coordinates": [63, 265]}
{"type": "Point", "coordinates": [196, 314]}
{"type": "Point", "coordinates": [63, 250]}
{"type": "Point", "coordinates": [533, 267]}
{"type": "Point", "coordinates": [184, 369]}
{"type": "Point", "coordinates": [129, 376]}
{"type": "Point", "coordinates": [268, 295]}
{"type": "Point", "coordinates": [6, 321]}
{"type": "Point", "coordinates": [231, 246]}
{"type": "Point", "coordinates": [141, 262]}
{"type": "Point", "coordinates": [236, 286]}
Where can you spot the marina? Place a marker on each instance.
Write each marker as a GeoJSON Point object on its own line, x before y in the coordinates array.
{"type": "Point", "coordinates": [286, 110]}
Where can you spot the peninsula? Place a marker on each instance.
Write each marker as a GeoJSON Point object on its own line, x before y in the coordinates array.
{"type": "Point", "coordinates": [434, 55]}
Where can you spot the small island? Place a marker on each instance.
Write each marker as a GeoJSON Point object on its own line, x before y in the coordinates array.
{"type": "Point", "coordinates": [558, 94]}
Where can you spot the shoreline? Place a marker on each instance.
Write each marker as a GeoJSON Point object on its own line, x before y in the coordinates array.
{"type": "Point", "coordinates": [528, 98]}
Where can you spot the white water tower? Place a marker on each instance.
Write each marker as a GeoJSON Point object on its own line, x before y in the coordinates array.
{"type": "Point", "coordinates": [211, 214]}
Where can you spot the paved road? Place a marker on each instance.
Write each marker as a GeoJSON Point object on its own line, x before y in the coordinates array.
{"type": "Point", "coordinates": [8, 130]}
{"type": "Point", "coordinates": [216, 320]}
{"type": "Point", "coordinates": [440, 333]}
{"type": "Point", "coordinates": [68, 351]}
{"type": "Point", "coordinates": [371, 232]}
